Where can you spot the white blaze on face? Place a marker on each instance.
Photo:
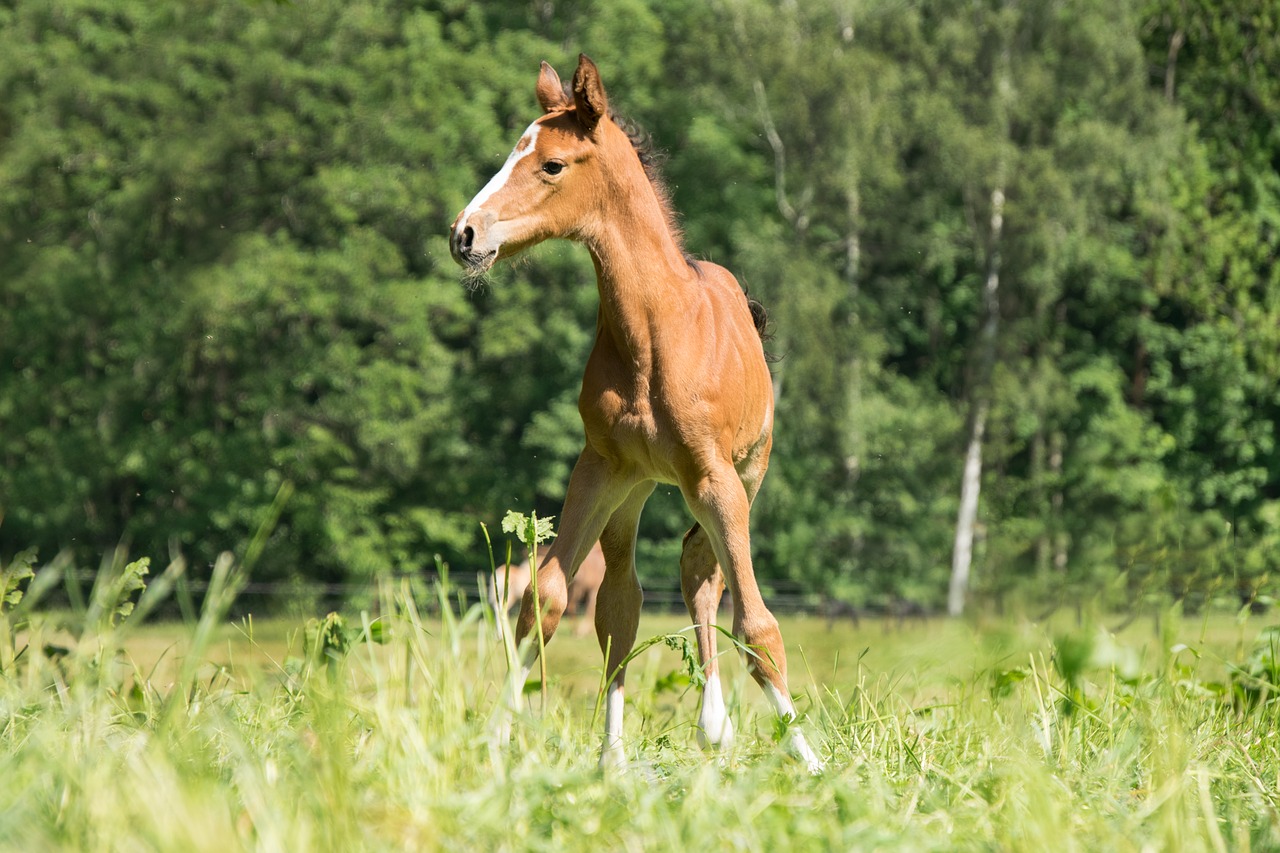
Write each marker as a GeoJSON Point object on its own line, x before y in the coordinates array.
{"type": "Point", "coordinates": [523, 149]}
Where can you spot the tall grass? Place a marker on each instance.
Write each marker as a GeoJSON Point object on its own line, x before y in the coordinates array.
{"type": "Point", "coordinates": [378, 733]}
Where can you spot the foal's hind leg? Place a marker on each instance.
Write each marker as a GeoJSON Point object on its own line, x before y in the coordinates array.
{"type": "Point", "coordinates": [702, 584]}
{"type": "Point", "coordinates": [720, 503]}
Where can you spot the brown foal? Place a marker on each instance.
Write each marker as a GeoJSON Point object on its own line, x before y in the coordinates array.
{"type": "Point", "coordinates": [676, 390]}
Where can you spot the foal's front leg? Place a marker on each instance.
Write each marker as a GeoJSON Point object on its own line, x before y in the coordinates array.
{"type": "Point", "coordinates": [617, 615]}
{"type": "Point", "coordinates": [594, 493]}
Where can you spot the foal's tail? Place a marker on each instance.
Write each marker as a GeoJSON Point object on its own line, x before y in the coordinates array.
{"type": "Point", "coordinates": [759, 317]}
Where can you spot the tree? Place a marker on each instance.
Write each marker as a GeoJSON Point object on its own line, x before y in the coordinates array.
{"type": "Point", "coordinates": [224, 269]}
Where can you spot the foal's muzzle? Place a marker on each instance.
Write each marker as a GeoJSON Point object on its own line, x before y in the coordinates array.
{"type": "Point", "coordinates": [467, 244]}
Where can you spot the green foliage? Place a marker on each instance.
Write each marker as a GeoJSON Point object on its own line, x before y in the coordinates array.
{"type": "Point", "coordinates": [1257, 680]}
{"type": "Point", "coordinates": [330, 640]}
{"type": "Point", "coordinates": [12, 575]}
{"type": "Point", "coordinates": [112, 592]}
{"type": "Point", "coordinates": [530, 530]}
{"type": "Point", "coordinates": [225, 275]}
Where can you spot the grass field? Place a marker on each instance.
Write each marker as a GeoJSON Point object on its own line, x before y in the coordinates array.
{"type": "Point", "coordinates": [941, 735]}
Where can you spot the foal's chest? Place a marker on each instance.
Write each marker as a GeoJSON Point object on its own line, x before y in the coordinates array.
{"type": "Point", "coordinates": [622, 425]}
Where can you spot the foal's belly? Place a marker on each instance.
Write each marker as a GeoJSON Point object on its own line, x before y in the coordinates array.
{"type": "Point", "coordinates": [649, 426]}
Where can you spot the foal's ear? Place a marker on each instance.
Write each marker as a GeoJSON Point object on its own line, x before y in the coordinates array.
{"type": "Point", "coordinates": [588, 93]}
{"type": "Point", "coordinates": [550, 90]}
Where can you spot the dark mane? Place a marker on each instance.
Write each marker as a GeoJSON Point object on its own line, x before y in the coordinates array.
{"type": "Point", "coordinates": [652, 158]}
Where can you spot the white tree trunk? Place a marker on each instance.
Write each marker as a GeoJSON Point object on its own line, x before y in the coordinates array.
{"type": "Point", "coordinates": [971, 482]}
{"type": "Point", "coordinates": [853, 269]}
{"type": "Point", "coordinates": [966, 519]}
{"type": "Point", "coordinates": [980, 389]}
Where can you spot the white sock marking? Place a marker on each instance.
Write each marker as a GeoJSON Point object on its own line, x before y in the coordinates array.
{"type": "Point", "coordinates": [715, 729]}
{"type": "Point", "coordinates": [787, 710]}
{"type": "Point", "coordinates": [781, 702]}
{"type": "Point", "coordinates": [611, 753]}
{"type": "Point", "coordinates": [513, 705]}
{"type": "Point", "coordinates": [517, 688]}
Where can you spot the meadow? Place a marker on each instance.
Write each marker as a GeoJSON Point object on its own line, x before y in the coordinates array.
{"type": "Point", "coordinates": [359, 732]}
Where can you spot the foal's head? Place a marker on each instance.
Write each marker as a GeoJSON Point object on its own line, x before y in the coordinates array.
{"type": "Point", "coordinates": [551, 184]}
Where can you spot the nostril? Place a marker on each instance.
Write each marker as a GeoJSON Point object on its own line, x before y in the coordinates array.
{"type": "Point", "coordinates": [468, 237]}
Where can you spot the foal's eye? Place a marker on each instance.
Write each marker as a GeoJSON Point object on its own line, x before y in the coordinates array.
{"type": "Point", "coordinates": [553, 167]}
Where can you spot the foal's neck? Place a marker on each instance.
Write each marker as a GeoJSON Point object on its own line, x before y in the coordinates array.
{"type": "Point", "coordinates": [643, 277]}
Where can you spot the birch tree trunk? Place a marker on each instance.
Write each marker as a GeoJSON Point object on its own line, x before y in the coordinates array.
{"type": "Point", "coordinates": [971, 481]}
{"type": "Point", "coordinates": [853, 265]}
{"type": "Point", "coordinates": [980, 390]}
{"type": "Point", "coordinates": [796, 214]}
{"type": "Point", "coordinates": [970, 486]}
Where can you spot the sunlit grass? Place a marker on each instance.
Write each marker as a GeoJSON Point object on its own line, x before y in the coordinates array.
{"type": "Point", "coordinates": [986, 734]}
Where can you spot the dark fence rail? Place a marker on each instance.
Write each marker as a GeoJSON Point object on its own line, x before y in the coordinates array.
{"type": "Point", "coordinates": [783, 597]}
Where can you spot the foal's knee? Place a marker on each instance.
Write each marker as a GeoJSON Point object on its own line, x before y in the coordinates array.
{"type": "Point", "coordinates": [553, 594]}
{"type": "Point", "coordinates": [552, 599]}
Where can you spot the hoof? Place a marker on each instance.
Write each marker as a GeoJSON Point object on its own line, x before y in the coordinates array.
{"type": "Point", "coordinates": [715, 738]}
{"type": "Point", "coordinates": [613, 759]}
{"type": "Point", "coordinates": [800, 747]}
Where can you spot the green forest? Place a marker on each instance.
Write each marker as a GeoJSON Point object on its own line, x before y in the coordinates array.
{"type": "Point", "coordinates": [1021, 259]}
